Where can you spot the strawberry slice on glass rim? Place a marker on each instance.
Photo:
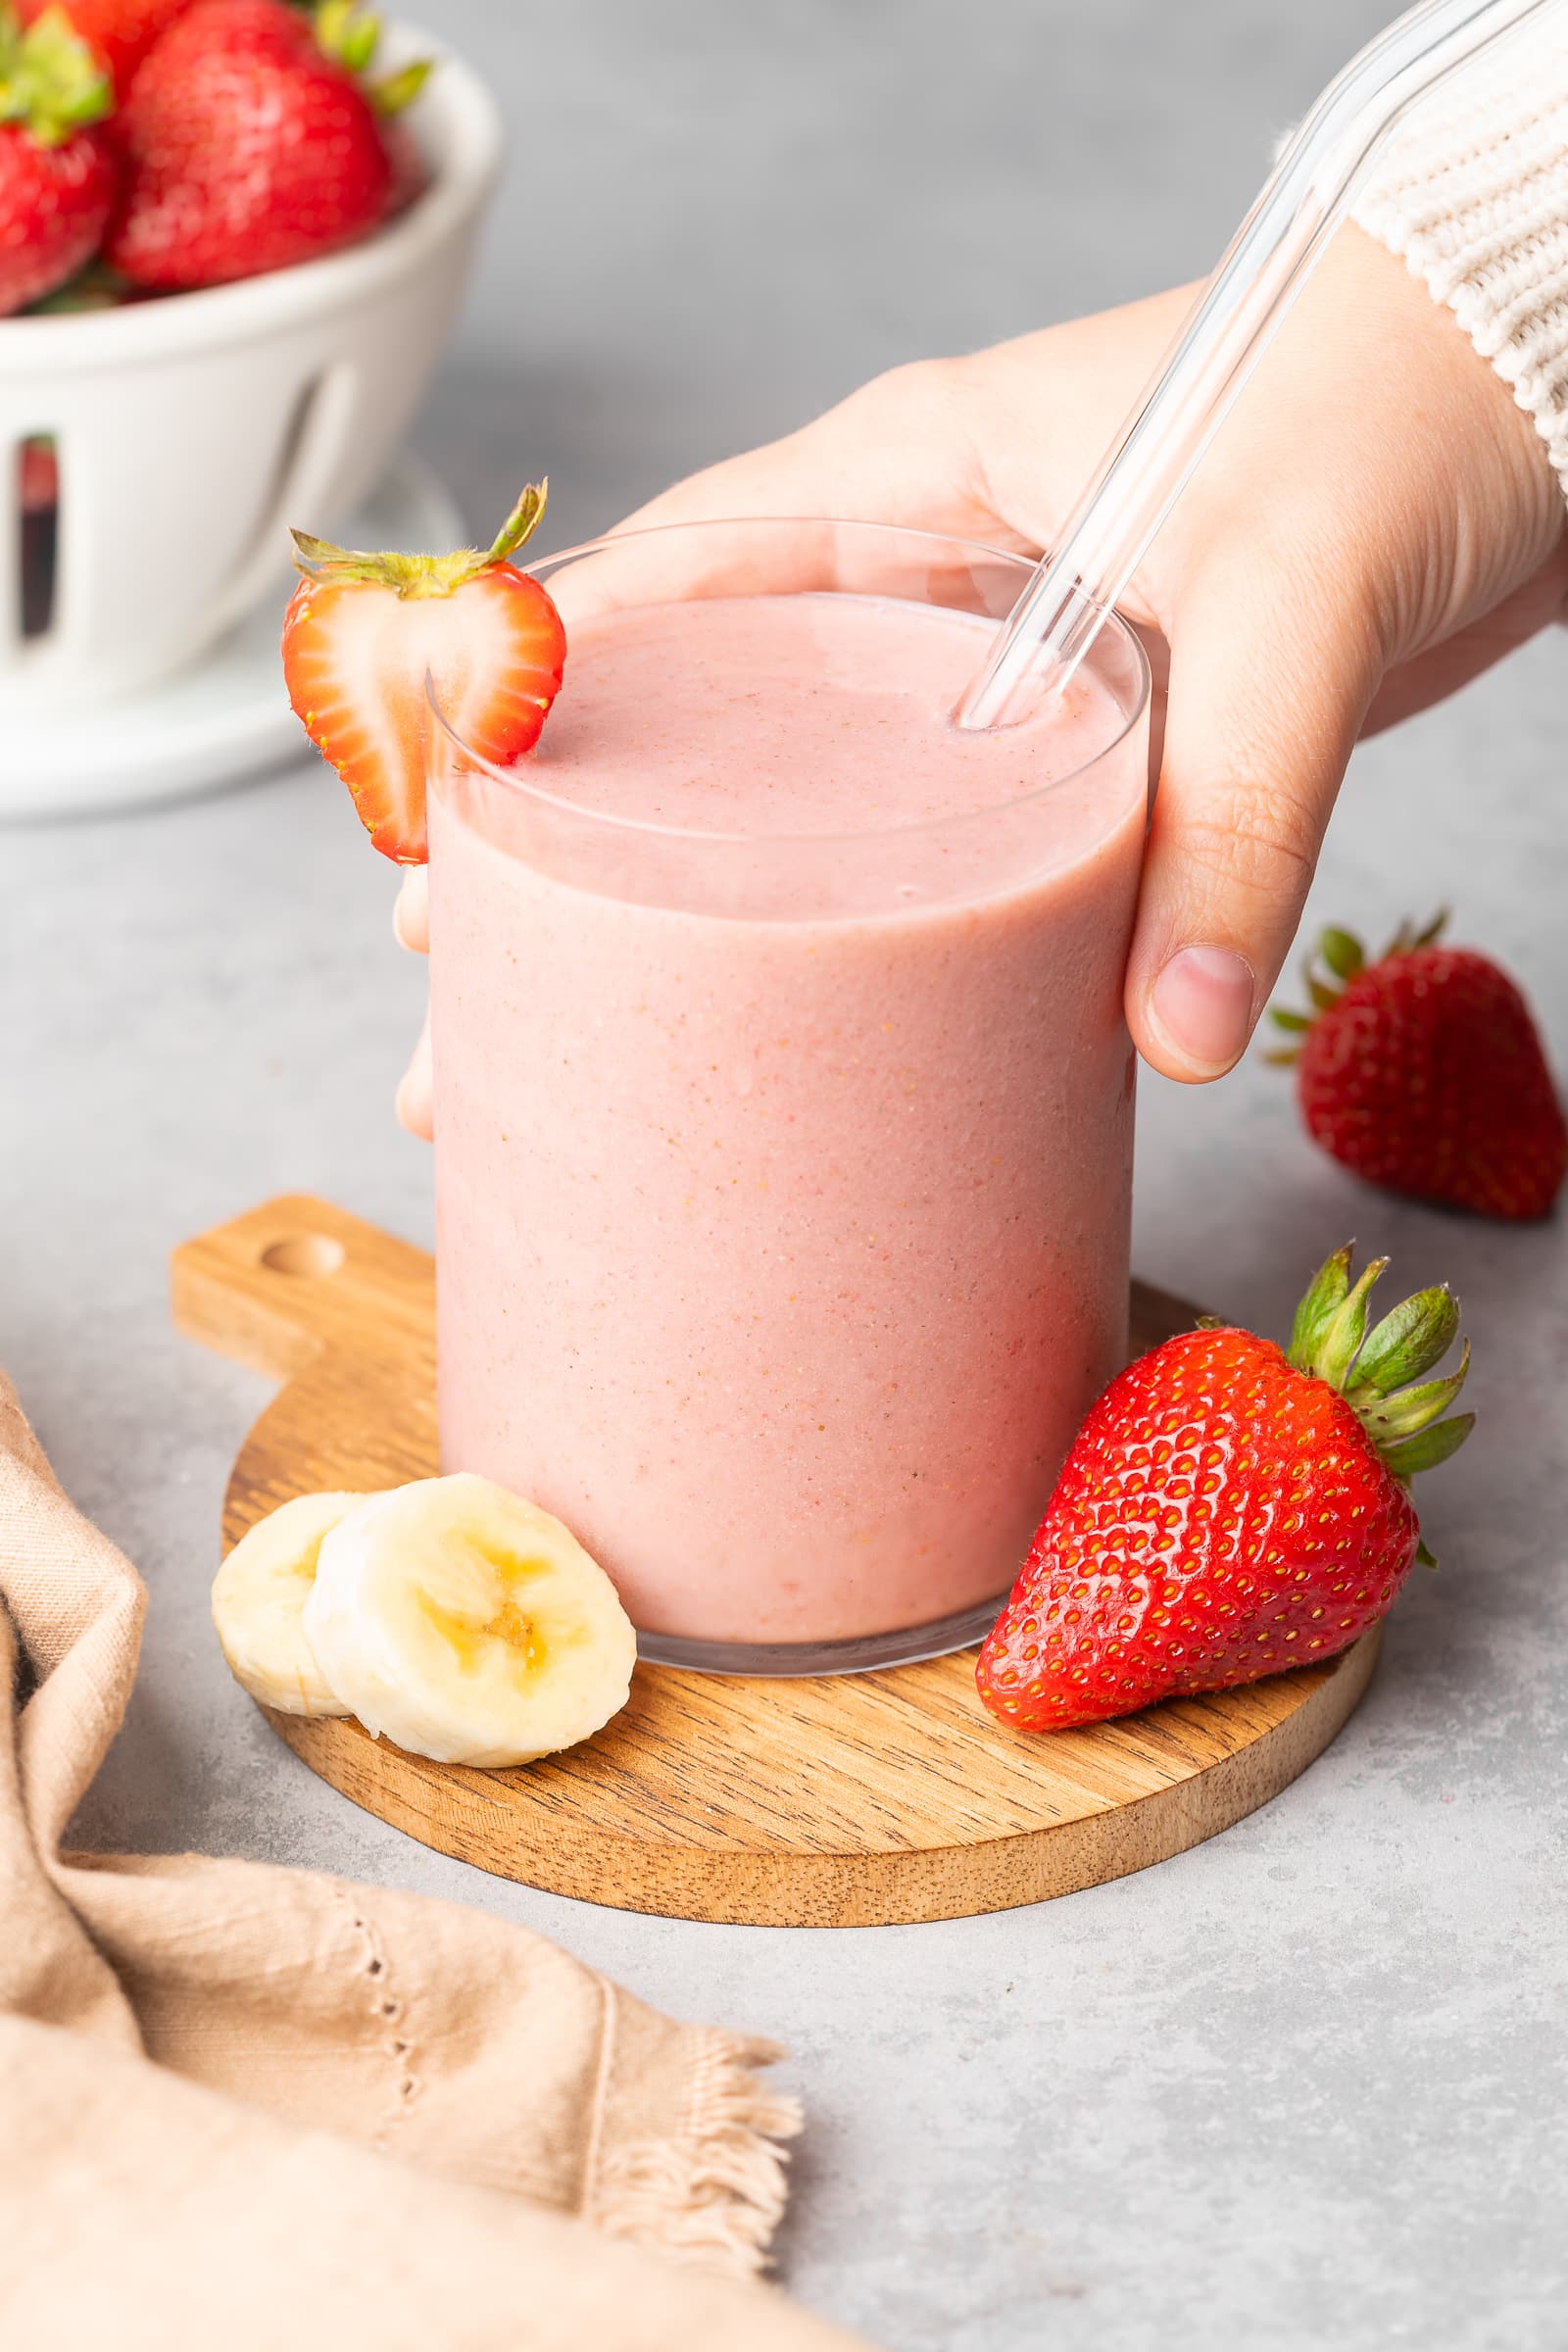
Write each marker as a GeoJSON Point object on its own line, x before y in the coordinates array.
{"type": "Point", "coordinates": [367, 635]}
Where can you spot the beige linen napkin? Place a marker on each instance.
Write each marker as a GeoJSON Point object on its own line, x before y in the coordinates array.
{"type": "Point", "coordinates": [546, 2111]}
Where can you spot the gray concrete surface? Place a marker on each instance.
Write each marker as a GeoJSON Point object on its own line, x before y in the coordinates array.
{"type": "Point", "coordinates": [1303, 2087]}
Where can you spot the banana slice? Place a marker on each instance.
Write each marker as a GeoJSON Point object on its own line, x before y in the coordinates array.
{"type": "Point", "coordinates": [469, 1625]}
{"type": "Point", "coordinates": [258, 1595]}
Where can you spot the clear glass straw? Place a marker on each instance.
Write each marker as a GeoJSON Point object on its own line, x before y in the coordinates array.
{"type": "Point", "coordinates": [1148, 464]}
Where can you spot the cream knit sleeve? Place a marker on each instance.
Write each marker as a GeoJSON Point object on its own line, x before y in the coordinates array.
{"type": "Point", "coordinates": [1472, 191]}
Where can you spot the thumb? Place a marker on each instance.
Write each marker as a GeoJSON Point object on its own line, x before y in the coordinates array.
{"type": "Point", "coordinates": [1270, 681]}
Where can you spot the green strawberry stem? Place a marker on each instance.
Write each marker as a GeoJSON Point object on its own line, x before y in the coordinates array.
{"type": "Point", "coordinates": [1411, 1410]}
{"type": "Point", "coordinates": [394, 91]}
{"type": "Point", "coordinates": [1380, 1373]}
{"type": "Point", "coordinates": [423, 575]}
{"type": "Point", "coordinates": [1344, 958]}
{"type": "Point", "coordinates": [352, 39]}
{"type": "Point", "coordinates": [1417, 1335]}
{"type": "Point", "coordinates": [50, 79]}
{"type": "Point", "coordinates": [342, 32]}
{"type": "Point", "coordinates": [1341, 951]}
{"type": "Point", "coordinates": [1429, 1447]}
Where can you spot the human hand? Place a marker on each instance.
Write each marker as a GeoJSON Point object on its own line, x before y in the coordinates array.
{"type": "Point", "coordinates": [1375, 523]}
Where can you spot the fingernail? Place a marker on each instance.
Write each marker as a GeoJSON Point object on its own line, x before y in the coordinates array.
{"type": "Point", "coordinates": [1202, 1004]}
{"type": "Point", "coordinates": [398, 932]}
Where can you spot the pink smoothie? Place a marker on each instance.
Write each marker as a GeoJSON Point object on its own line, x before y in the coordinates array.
{"type": "Point", "coordinates": [782, 1250]}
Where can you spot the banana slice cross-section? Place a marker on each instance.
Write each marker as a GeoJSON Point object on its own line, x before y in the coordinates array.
{"type": "Point", "coordinates": [259, 1595]}
{"type": "Point", "coordinates": [469, 1625]}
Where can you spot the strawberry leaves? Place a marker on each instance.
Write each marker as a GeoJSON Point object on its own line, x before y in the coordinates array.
{"type": "Point", "coordinates": [1343, 953]}
{"type": "Point", "coordinates": [1429, 1447]}
{"type": "Point", "coordinates": [421, 575]}
{"type": "Point", "coordinates": [1409, 1341]}
{"type": "Point", "coordinates": [1374, 1369]}
{"type": "Point", "coordinates": [351, 37]}
{"type": "Point", "coordinates": [50, 80]}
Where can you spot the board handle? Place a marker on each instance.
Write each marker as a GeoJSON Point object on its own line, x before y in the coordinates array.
{"type": "Point", "coordinates": [274, 1287]}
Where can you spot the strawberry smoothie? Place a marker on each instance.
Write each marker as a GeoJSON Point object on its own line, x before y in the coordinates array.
{"type": "Point", "coordinates": [784, 1109]}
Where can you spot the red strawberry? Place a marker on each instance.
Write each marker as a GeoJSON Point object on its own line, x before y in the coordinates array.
{"type": "Point", "coordinates": [39, 473]}
{"type": "Point", "coordinates": [1425, 1074]}
{"type": "Point", "coordinates": [1228, 1511]}
{"type": "Point", "coordinates": [362, 632]}
{"type": "Point", "coordinates": [57, 165]}
{"type": "Point", "coordinates": [121, 31]}
{"type": "Point", "coordinates": [250, 143]}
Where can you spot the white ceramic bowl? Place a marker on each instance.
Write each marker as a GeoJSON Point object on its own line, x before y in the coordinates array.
{"type": "Point", "coordinates": [192, 431]}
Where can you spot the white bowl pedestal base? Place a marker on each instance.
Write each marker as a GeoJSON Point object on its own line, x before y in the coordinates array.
{"type": "Point", "coordinates": [214, 725]}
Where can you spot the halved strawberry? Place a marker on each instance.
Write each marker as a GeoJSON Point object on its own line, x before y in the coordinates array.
{"type": "Point", "coordinates": [364, 632]}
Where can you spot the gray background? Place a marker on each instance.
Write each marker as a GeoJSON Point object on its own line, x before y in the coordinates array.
{"type": "Point", "coordinates": [1305, 2085]}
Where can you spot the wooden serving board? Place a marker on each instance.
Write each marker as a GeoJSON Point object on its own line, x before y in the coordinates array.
{"type": "Point", "coordinates": [849, 1801]}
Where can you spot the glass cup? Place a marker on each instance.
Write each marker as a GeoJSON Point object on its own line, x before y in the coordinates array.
{"type": "Point", "coordinates": [783, 1177]}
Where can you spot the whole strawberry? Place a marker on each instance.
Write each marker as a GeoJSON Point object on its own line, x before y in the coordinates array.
{"type": "Point", "coordinates": [57, 165]}
{"type": "Point", "coordinates": [1228, 1509]}
{"type": "Point", "coordinates": [120, 32]}
{"type": "Point", "coordinates": [251, 143]}
{"type": "Point", "coordinates": [1423, 1073]}
{"type": "Point", "coordinates": [366, 636]}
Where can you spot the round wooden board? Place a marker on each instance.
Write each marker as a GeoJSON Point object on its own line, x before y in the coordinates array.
{"type": "Point", "coordinates": [849, 1801]}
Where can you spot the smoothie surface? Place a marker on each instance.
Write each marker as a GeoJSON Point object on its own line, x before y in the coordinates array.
{"type": "Point", "coordinates": [796, 715]}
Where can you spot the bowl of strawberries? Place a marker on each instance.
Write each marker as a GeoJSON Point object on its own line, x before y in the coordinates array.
{"type": "Point", "coordinates": [232, 237]}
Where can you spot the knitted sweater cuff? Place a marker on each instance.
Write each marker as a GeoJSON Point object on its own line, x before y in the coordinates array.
{"type": "Point", "coordinates": [1472, 192]}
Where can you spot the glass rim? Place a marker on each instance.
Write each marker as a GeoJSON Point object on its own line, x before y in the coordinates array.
{"type": "Point", "coordinates": [516, 780]}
